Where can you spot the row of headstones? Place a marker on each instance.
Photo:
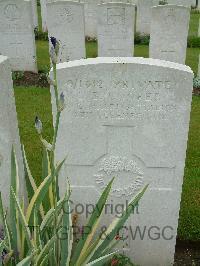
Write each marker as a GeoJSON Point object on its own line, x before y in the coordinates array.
{"type": "Point", "coordinates": [168, 37]}
{"type": "Point", "coordinates": [91, 13]}
{"type": "Point", "coordinates": [125, 117]}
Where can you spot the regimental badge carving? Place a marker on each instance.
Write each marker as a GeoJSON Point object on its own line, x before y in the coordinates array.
{"type": "Point", "coordinates": [66, 14]}
{"type": "Point", "coordinates": [128, 173]}
{"type": "Point", "coordinates": [12, 12]}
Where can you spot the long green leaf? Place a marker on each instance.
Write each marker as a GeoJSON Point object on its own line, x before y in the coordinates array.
{"type": "Point", "coordinates": [66, 244]}
{"type": "Point", "coordinates": [115, 226]}
{"type": "Point", "coordinates": [46, 172]}
{"type": "Point", "coordinates": [41, 192]}
{"type": "Point", "coordinates": [30, 183]}
{"type": "Point", "coordinates": [48, 219]}
{"type": "Point", "coordinates": [26, 262]}
{"type": "Point", "coordinates": [23, 222]}
{"type": "Point", "coordinates": [102, 260]}
{"type": "Point", "coordinates": [4, 223]}
{"type": "Point", "coordinates": [46, 249]}
{"type": "Point", "coordinates": [78, 258]}
{"type": "Point", "coordinates": [14, 183]}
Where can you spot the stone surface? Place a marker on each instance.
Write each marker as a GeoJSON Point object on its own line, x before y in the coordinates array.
{"type": "Point", "coordinates": [127, 118]}
{"type": "Point", "coordinates": [116, 29]}
{"type": "Point", "coordinates": [44, 14]}
{"type": "Point", "coordinates": [144, 16]}
{"type": "Point", "coordinates": [169, 32]}
{"type": "Point", "coordinates": [66, 23]}
{"type": "Point", "coordinates": [17, 34]}
{"type": "Point", "coordinates": [91, 13]}
{"type": "Point", "coordinates": [187, 3]}
{"type": "Point", "coordinates": [35, 14]}
{"type": "Point", "coordinates": [9, 133]}
{"type": "Point", "coordinates": [90, 7]}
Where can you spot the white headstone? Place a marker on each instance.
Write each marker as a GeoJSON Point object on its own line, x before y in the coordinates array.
{"type": "Point", "coordinates": [169, 32]}
{"type": "Point", "coordinates": [144, 16]}
{"type": "Point", "coordinates": [116, 29]}
{"type": "Point", "coordinates": [44, 14]}
{"type": "Point", "coordinates": [17, 34]}
{"type": "Point", "coordinates": [187, 3]}
{"type": "Point", "coordinates": [127, 118]}
{"type": "Point", "coordinates": [66, 23]}
{"type": "Point", "coordinates": [90, 7]}
{"type": "Point", "coordinates": [9, 133]}
{"type": "Point", "coordinates": [35, 14]}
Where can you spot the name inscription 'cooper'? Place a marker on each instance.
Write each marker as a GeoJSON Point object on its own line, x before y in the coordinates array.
{"type": "Point", "coordinates": [121, 100]}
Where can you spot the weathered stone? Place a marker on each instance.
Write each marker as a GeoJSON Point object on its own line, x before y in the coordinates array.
{"type": "Point", "coordinates": [9, 133]}
{"type": "Point", "coordinates": [187, 3]}
{"type": "Point", "coordinates": [35, 14]}
{"type": "Point", "coordinates": [44, 14]}
{"type": "Point", "coordinates": [66, 23]}
{"type": "Point", "coordinates": [127, 118]}
{"type": "Point", "coordinates": [144, 16]}
{"type": "Point", "coordinates": [17, 34]}
{"type": "Point", "coordinates": [116, 29]}
{"type": "Point", "coordinates": [169, 32]}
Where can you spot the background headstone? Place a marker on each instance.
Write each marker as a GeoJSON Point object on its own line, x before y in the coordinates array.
{"type": "Point", "coordinates": [35, 13]}
{"type": "Point", "coordinates": [9, 133]}
{"type": "Point", "coordinates": [116, 29]}
{"type": "Point", "coordinates": [44, 14]}
{"type": "Point", "coordinates": [17, 34]}
{"type": "Point", "coordinates": [128, 118]}
{"type": "Point", "coordinates": [66, 23]}
{"type": "Point", "coordinates": [90, 7]}
{"type": "Point", "coordinates": [144, 16]}
{"type": "Point", "coordinates": [187, 3]}
{"type": "Point", "coordinates": [169, 32]}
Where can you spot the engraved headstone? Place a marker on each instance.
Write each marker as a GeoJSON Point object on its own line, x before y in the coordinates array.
{"type": "Point", "coordinates": [44, 14]}
{"type": "Point", "coordinates": [116, 29]}
{"type": "Point", "coordinates": [9, 133]}
{"type": "Point", "coordinates": [35, 14]}
{"type": "Point", "coordinates": [65, 21]}
{"type": "Point", "coordinates": [127, 118]}
{"type": "Point", "coordinates": [169, 32]}
{"type": "Point", "coordinates": [17, 34]}
{"type": "Point", "coordinates": [144, 16]}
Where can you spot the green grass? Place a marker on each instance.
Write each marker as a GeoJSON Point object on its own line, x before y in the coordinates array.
{"type": "Point", "coordinates": [194, 24]}
{"type": "Point", "coordinates": [32, 102]}
{"type": "Point", "coordinates": [189, 224]}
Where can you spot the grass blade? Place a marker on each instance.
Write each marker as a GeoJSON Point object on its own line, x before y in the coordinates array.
{"type": "Point", "coordinates": [14, 184]}
{"type": "Point", "coordinates": [23, 222]}
{"type": "Point", "coordinates": [116, 225]}
{"type": "Point", "coordinates": [92, 224]}
{"type": "Point", "coordinates": [102, 260]}
{"type": "Point", "coordinates": [41, 192]}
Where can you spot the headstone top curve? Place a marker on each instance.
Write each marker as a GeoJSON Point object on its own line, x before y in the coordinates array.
{"type": "Point", "coordinates": [125, 60]}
